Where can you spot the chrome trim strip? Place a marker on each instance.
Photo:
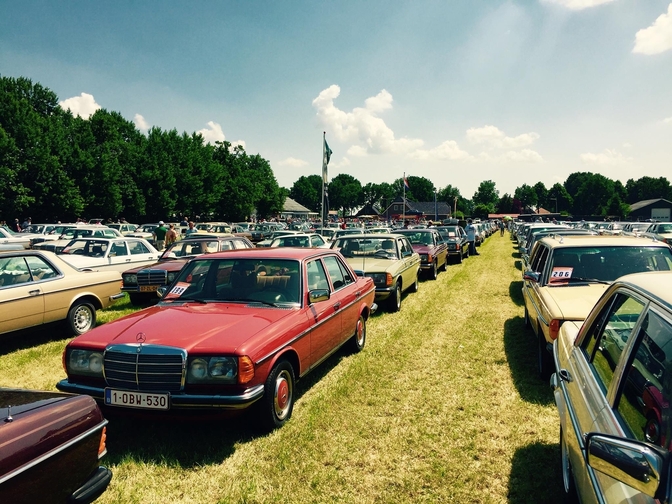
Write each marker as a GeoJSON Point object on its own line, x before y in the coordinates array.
{"type": "Point", "coordinates": [53, 452]}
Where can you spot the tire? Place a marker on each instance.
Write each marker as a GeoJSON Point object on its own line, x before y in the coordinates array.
{"type": "Point", "coordinates": [459, 257]}
{"type": "Point", "coordinates": [81, 317]}
{"type": "Point", "coordinates": [434, 272]}
{"type": "Point", "coordinates": [275, 408]}
{"type": "Point", "coordinates": [358, 339]}
{"type": "Point", "coordinates": [415, 285]}
{"type": "Point", "coordinates": [568, 484]}
{"type": "Point", "coordinates": [394, 301]}
{"type": "Point", "coordinates": [543, 357]}
{"type": "Point", "coordinates": [444, 267]}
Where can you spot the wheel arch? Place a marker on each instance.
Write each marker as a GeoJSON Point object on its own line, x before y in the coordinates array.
{"type": "Point", "coordinates": [87, 297]}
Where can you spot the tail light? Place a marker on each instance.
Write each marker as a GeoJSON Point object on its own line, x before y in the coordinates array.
{"type": "Point", "coordinates": [554, 329]}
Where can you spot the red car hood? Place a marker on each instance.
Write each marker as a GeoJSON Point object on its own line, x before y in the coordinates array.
{"type": "Point", "coordinates": [212, 327]}
{"type": "Point", "coordinates": [168, 264]}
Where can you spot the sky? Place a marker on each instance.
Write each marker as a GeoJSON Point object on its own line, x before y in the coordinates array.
{"type": "Point", "coordinates": [458, 92]}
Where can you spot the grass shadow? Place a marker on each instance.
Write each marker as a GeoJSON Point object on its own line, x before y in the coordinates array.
{"type": "Point", "coordinates": [516, 255]}
{"type": "Point", "coordinates": [516, 293]}
{"type": "Point", "coordinates": [521, 352]}
{"type": "Point", "coordinates": [525, 485]}
{"type": "Point", "coordinates": [518, 265]}
{"type": "Point", "coordinates": [190, 440]}
{"type": "Point", "coordinates": [34, 336]}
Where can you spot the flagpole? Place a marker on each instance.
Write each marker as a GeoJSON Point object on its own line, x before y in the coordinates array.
{"type": "Point", "coordinates": [403, 207]}
{"type": "Point", "coordinates": [324, 142]}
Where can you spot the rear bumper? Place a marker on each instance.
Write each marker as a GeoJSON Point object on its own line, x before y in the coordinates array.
{"type": "Point", "coordinates": [93, 488]}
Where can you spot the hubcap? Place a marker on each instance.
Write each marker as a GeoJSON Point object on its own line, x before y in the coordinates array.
{"type": "Point", "coordinates": [361, 333]}
{"type": "Point", "coordinates": [283, 395]}
{"type": "Point", "coordinates": [82, 318]}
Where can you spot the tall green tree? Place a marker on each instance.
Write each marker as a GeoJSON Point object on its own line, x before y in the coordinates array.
{"type": "Point", "coordinates": [559, 198]}
{"type": "Point", "coordinates": [307, 190]}
{"type": "Point", "coordinates": [542, 195]}
{"type": "Point", "coordinates": [505, 204]}
{"type": "Point", "coordinates": [526, 195]}
{"type": "Point", "coordinates": [419, 188]}
{"type": "Point", "coordinates": [486, 195]}
{"type": "Point", "coordinates": [345, 192]}
{"type": "Point", "coordinates": [646, 188]}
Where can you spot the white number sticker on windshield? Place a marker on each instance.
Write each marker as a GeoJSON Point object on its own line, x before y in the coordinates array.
{"type": "Point", "coordinates": [178, 290]}
{"type": "Point", "coordinates": [561, 273]}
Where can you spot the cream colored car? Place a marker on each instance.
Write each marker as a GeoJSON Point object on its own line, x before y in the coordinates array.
{"type": "Point", "coordinates": [567, 275]}
{"type": "Point", "coordinates": [37, 287]}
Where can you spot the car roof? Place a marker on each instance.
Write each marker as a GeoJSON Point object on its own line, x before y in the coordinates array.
{"type": "Point", "coordinates": [293, 253]}
{"type": "Point", "coordinates": [599, 241]}
{"type": "Point", "coordinates": [369, 236]}
{"type": "Point", "coordinates": [654, 283]}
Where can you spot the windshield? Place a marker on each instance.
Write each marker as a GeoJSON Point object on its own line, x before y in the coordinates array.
{"type": "Point", "coordinates": [190, 248]}
{"type": "Point", "coordinates": [607, 263]}
{"type": "Point", "coordinates": [89, 248]}
{"type": "Point", "coordinates": [384, 248]}
{"type": "Point", "coordinates": [268, 281]}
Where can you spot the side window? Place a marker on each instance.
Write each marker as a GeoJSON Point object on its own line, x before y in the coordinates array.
{"type": "Point", "coordinates": [40, 269]}
{"type": "Point", "coordinates": [317, 241]}
{"type": "Point", "coordinates": [646, 388]}
{"type": "Point", "coordinates": [610, 335]}
{"type": "Point", "coordinates": [346, 273]}
{"type": "Point", "coordinates": [118, 249]}
{"type": "Point", "coordinates": [14, 272]}
{"type": "Point", "coordinates": [226, 245]}
{"type": "Point", "coordinates": [137, 247]}
{"type": "Point", "coordinates": [539, 259]}
{"type": "Point", "coordinates": [335, 272]}
{"type": "Point", "coordinates": [317, 277]}
{"type": "Point", "coordinates": [405, 247]}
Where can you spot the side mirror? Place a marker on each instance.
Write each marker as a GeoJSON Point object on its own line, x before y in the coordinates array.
{"type": "Point", "coordinates": [317, 295]}
{"type": "Point", "coordinates": [531, 276]}
{"type": "Point", "coordinates": [161, 291]}
{"type": "Point", "coordinates": [635, 463]}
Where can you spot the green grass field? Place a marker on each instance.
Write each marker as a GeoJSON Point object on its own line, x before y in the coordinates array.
{"type": "Point", "coordinates": [443, 405]}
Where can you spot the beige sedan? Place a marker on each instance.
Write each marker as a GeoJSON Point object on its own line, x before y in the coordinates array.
{"type": "Point", "coordinates": [567, 274]}
{"type": "Point", "coordinates": [37, 287]}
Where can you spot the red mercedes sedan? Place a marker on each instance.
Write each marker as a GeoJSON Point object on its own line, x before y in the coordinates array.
{"type": "Point", "coordinates": [235, 330]}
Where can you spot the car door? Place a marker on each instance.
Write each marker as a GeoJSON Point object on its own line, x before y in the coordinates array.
{"type": "Point", "coordinates": [593, 383]}
{"type": "Point", "coordinates": [532, 298]}
{"type": "Point", "coordinates": [346, 294]}
{"type": "Point", "coordinates": [140, 253]}
{"type": "Point", "coordinates": [325, 318]}
{"type": "Point", "coordinates": [21, 300]}
{"type": "Point", "coordinates": [411, 260]}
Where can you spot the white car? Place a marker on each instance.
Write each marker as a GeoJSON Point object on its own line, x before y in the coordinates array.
{"type": "Point", "coordinates": [116, 254]}
{"type": "Point", "coordinates": [71, 233]}
{"type": "Point", "coordinates": [311, 240]}
{"type": "Point", "coordinates": [9, 241]}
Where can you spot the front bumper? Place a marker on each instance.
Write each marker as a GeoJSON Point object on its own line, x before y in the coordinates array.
{"type": "Point", "coordinates": [178, 401]}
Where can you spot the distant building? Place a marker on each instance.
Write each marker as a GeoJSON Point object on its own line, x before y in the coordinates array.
{"type": "Point", "coordinates": [654, 209]}
{"type": "Point", "coordinates": [293, 210]}
{"type": "Point", "coordinates": [428, 210]}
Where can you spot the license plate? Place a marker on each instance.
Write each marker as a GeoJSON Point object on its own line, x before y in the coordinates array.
{"type": "Point", "coordinates": [130, 399]}
{"type": "Point", "coordinates": [148, 288]}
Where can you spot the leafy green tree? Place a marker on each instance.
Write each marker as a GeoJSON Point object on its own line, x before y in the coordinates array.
{"type": "Point", "coordinates": [542, 194]}
{"type": "Point", "coordinates": [505, 204]}
{"type": "Point", "coordinates": [487, 195]}
{"type": "Point", "coordinates": [270, 197]}
{"type": "Point", "coordinates": [419, 188]}
{"type": "Point", "coordinates": [646, 188]}
{"type": "Point", "coordinates": [593, 195]}
{"type": "Point", "coordinates": [307, 190]}
{"type": "Point", "coordinates": [559, 198]}
{"type": "Point", "coordinates": [526, 195]}
{"type": "Point", "coordinates": [345, 192]}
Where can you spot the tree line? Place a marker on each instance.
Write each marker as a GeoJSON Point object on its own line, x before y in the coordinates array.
{"type": "Point", "coordinates": [57, 166]}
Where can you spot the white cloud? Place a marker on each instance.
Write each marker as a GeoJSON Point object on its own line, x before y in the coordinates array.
{"type": "Point", "coordinates": [524, 156]}
{"type": "Point", "coordinates": [577, 4]}
{"type": "Point", "coordinates": [213, 133]}
{"type": "Point", "coordinates": [343, 163]}
{"type": "Point", "coordinates": [362, 126]}
{"type": "Point", "coordinates": [293, 162]}
{"type": "Point", "coordinates": [494, 138]}
{"type": "Point", "coordinates": [83, 105]}
{"type": "Point", "coordinates": [447, 150]}
{"type": "Point", "coordinates": [657, 38]}
{"type": "Point", "coordinates": [667, 120]}
{"type": "Point", "coordinates": [140, 122]}
{"type": "Point", "coordinates": [607, 157]}
{"type": "Point", "coordinates": [627, 145]}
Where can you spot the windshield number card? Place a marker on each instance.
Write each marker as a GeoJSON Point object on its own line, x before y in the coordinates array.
{"type": "Point", "coordinates": [561, 273]}
{"type": "Point", "coordinates": [178, 290]}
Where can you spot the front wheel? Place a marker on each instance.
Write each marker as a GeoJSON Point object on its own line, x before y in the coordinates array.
{"type": "Point", "coordinates": [395, 299]}
{"type": "Point", "coordinates": [459, 257]}
{"type": "Point", "coordinates": [434, 272]}
{"type": "Point", "coordinates": [81, 317]}
{"type": "Point", "coordinates": [275, 408]}
{"type": "Point", "coordinates": [545, 364]}
{"type": "Point", "coordinates": [358, 339]}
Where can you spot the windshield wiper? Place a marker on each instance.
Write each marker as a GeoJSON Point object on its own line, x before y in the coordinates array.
{"type": "Point", "coordinates": [560, 281]}
{"type": "Point", "coordinates": [190, 300]}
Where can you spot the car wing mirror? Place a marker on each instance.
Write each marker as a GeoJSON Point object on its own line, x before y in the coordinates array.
{"type": "Point", "coordinates": [317, 295]}
{"type": "Point", "coordinates": [637, 464]}
{"type": "Point", "coordinates": [161, 291]}
{"type": "Point", "coordinates": [531, 276]}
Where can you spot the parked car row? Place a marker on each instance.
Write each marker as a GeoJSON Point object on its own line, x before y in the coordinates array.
{"type": "Point", "coordinates": [600, 308]}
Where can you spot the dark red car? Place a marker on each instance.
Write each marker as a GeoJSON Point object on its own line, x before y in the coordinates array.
{"type": "Point", "coordinates": [234, 330]}
{"type": "Point", "coordinates": [142, 282]}
{"type": "Point", "coordinates": [51, 446]}
{"type": "Point", "coordinates": [431, 247]}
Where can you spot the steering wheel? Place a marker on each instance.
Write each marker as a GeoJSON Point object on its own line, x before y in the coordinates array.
{"type": "Point", "coordinates": [381, 254]}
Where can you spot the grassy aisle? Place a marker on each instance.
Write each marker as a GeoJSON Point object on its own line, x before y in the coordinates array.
{"type": "Point", "coordinates": [443, 405]}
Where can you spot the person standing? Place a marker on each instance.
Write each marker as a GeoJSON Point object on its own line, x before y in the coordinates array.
{"type": "Point", "coordinates": [171, 235]}
{"type": "Point", "coordinates": [192, 229]}
{"type": "Point", "coordinates": [501, 228]}
{"type": "Point", "coordinates": [160, 236]}
{"type": "Point", "coordinates": [471, 237]}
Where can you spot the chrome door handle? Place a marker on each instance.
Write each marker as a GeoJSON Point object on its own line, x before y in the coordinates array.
{"type": "Point", "coordinates": [35, 292]}
{"type": "Point", "coordinates": [337, 306]}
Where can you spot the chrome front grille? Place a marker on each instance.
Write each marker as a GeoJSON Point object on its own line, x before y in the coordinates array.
{"type": "Point", "coordinates": [145, 367]}
{"type": "Point", "coordinates": [152, 277]}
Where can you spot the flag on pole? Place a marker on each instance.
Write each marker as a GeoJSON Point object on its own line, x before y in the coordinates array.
{"type": "Point", "coordinates": [326, 155]}
{"type": "Point", "coordinates": [406, 183]}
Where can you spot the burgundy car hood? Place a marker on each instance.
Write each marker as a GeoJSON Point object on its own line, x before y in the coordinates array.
{"type": "Point", "coordinates": [192, 326]}
{"type": "Point", "coordinates": [14, 401]}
